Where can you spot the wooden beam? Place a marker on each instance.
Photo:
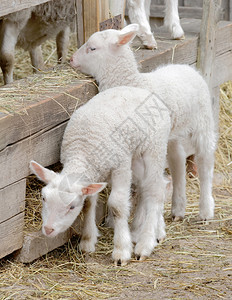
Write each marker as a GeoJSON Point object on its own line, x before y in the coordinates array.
{"type": "Point", "coordinates": [10, 6]}
{"type": "Point", "coordinates": [79, 23]}
{"type": "Point", "coordinates": [11, 234]}
{"type": "Point", "coordinates": [12, 200]}
{"type": "Point", "coordinates": [207, 47]}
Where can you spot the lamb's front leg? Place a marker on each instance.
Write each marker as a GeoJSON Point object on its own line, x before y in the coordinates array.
{"type": "Point", "coordinates": [37, 59]}
{"type": "Point", "coordinates": [90, 231]}
{"type": "Point", "coordinates": [119, 206]}
{"type": "Point", "coordinates": [172, 20]}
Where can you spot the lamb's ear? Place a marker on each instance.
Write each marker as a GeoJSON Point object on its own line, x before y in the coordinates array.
{"type": "Point", "coordinates": [127, 34]}
{"type": "Point", "coordinates": [42, 173]}
{"type": "Point", "coordinates": [93, 188]}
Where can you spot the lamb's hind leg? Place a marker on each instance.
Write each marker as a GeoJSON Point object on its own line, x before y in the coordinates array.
{"type": "Point", "coordinates": [205, 165]}
{"type": "Point", "coordinates": [119, 206]}
{"type": "Point", "coordinates": [176, 161]}
{"type": "Point", "coordinates": [37, 58]}
{"type": "Point", "coordinates": [152, 226]}
{"type": "Point", "coordinates": [90, 231]}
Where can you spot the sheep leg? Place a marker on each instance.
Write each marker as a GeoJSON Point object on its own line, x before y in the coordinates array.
{"type": "Point", "coordinates": [8, 38]}
{"type": "Point", "coordinates": [176, 161]}
{"type": "Point", "coordinates": [62, 41]}
{"type": "Point", "coordinates": [205, 165]}
{"type": "Point", "coordinates": [152, 227]}
{"type": "Point", "coordinates": [172, 20]}
{"type": "Point", "coordinates": [119, 206]}
{"type": "Point", "coordinates": [37, 59]}
{"type": "Point", "coordinates": [139, 11]}
{"type": "Point", "coordinates": [90, 231]}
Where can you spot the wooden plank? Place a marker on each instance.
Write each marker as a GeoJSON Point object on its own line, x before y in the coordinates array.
{"type": "Point", "coordinates": [12, 200]}
{"type": "Point", "coordinates": [169, 52]}
{"type": "Point", "coordinates": [11, 234]}
{"type": "Point", "coordinates": [223, 37]}
{"type": "Point", "coordinates": [157, 11]}
{"type": "Point", "coordinates": [79, 23]}
{"type": "Point", "coordinates": [207, 47]}
{"type": "Point", "coordinates": [43, 146]}
{"type": "Point", "coordinates": [193, 3]}
{"type": "Point", "coordinates": [104, 10]}
{"type": "Point", "coordinates": [90, 17]}
{"type": "Point", "coordinates": [222, 71]}
{"type": "Point", "coordinates": [230, 9]}
{"type": "Point", "coordinates": [10, 6]}
{"type": "Point", "coordinates": [59, 105]}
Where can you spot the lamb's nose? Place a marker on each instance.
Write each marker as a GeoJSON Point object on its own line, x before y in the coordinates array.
{"type": "Point", "coordinates": [48, 230]}
{"type": "Point", "coordinates": [71, 59]}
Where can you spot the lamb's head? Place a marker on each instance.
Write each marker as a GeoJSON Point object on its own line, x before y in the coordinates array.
{"type": "Point", "coordinates": [102, 49]}
{"type": "Point", "coordinates": [63, 198]}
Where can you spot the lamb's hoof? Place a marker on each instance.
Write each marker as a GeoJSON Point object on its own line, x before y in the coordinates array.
{"type": "Point", "coordinates": [177, 218]}
{"type": "Point", "coordinates": [151, 47]}
{"type": "Point", "coordinates": [120, 263]}
{"type": "Point", "coordinates": [180, 38]}
{"type": "Point", "coordinates": [161, 240]}
{"type": "Point", "coordinates": [140, 258]}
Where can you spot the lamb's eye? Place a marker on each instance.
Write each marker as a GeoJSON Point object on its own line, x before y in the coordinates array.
{"type": "Point", "coordinates": [92, 48]}
{"type": "Point", "coordinates": [43, 198]}
{"type": "Point", "coordinates": [72, 207]}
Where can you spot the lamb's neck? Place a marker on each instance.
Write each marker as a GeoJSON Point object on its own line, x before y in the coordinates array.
{"type": "Point", "coordinates": [81, 169]}
{"type": "Point", "coordinates": [118, 72]}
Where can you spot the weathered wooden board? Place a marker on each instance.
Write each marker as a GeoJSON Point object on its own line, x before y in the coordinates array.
{"type": "Point", "coordinates": [157, 11]}
{"type": "Point", "coordinates": [222, 68]}
{"type": "Point", "coordinates": [12, 200]}
{"type": "Point", "coordinates": [181, 52]}
{"type": "Point", "coordinates": [10, 6]}
{"type": "Point", "coordinates": [49, 112]}
{"type": "Point", "coordinates": [43, 146]}
{"type": "Point", "coordinates": [11, 234]}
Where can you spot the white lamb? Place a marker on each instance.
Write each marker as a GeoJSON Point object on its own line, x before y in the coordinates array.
{"type": "Point", "coordinates": [107, 57]}
{"type": "Point", "coordinates": [30, 28]}
{"type": "Point", "coordinates": [139, 12]}
{"type": "Point", "coordinates": [119, 133]}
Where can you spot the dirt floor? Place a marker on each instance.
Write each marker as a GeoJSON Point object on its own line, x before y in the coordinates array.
{"type": "Point", "coordinates": [194, 262]}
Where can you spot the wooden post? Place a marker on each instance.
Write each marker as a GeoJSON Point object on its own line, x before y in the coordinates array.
{"type": "Point", "coordinates": [207, 46]}
{"type": "Point", "coordinates": [89, 16]}
{"type": "Point", "coordinates": [79, 23]}
{"type": "Point", "coordinates": [230, 6]}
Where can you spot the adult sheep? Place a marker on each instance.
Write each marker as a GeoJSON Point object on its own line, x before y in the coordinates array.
{"type": "Point", "coordinates": [107, 57]}
{"type": "Point", "coordinates": [30, 28]}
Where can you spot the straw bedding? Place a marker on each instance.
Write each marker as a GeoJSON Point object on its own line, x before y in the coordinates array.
{"type": "Point", "coordinates": [194, 262]}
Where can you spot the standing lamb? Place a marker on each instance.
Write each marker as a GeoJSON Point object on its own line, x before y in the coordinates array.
{"type": "Point", "coordinates": [30, 28]}
{"type": "Point", "coordinates": [107, 57]}
{"type": "Point", "coordinates": [139, 12]}
{"type": "Point", "coordinates": [119, 133]}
